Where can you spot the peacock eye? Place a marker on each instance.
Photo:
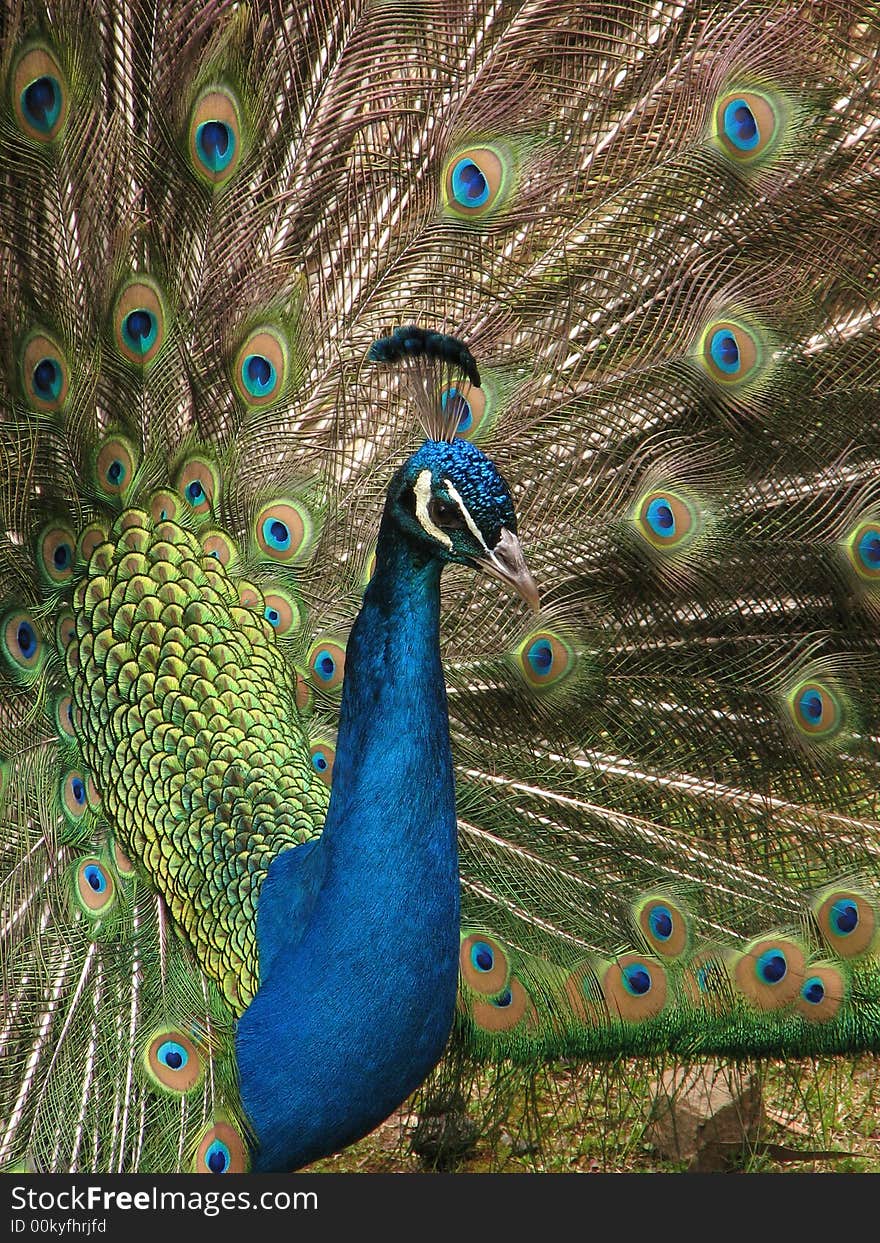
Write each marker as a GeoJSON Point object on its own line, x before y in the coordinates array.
{"type": "Point", "coordinates": [445, 514]}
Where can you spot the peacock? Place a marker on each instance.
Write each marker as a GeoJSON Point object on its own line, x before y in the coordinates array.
{"type": "Point", "coordinates": [302, 304]}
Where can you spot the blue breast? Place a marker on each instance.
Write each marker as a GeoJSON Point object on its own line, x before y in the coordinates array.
{"type": "Point", "coordinates": [358, 934]}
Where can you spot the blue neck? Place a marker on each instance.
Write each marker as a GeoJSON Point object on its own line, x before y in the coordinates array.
{"type": "Point", "coordinates": [360, 934]}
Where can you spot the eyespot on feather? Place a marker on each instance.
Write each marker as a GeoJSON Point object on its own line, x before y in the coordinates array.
{"type": "Point", "coordinates": [221, 1150]}
{"type": "Point", "coordinates": [585, 994]}
{"type": "Point", "coordinates": [666, 520]}
{"type": "Point", "coordinates": [281, 611]}
{"type": "Point", "coordinates": [477, 182]}
{"type": "Point", "coordinates": [663, 924]}
{"type": "Point", "coordinates": [94, 887]}
{"type": "Point", "coordinates": [747, 125]}
{"type": "Point", "coordinates": [164, 506]}
{"type": "Point", "coordinates": [115, 464]}
{"type": "Point", "coordinates": [706, 981]}
{"type": "Point", "coordinates": [847, 921]}
{"type": "Point", "coordinates": [22, 644]}
{"type": "Point", "coordinates": [323, 755]}
{"type": "Point", "coordinates": [90, 538]}
{"type": "Point", "coordinates": [56, 550]}
{"type": "Point", "coordinates": [483, 963]}
{"type": "Point", "coordinates": [215, 136]}
{"type": "Point", "coordinates": [172, 1062]}
{"type": "Point", "coordinates": [326, 662]}
{"type": "Point", "coordinates": [730, 352]}
{"type": "Point", "coordinates": [198, 482]}
{"type": "Point", "coordinates": [863, 550]}
{"type": "Point", "coordinates": [44, 373]}
{"type": "Point", "coordinates": [770, 972]}
{"type": "Point", "coordinates": [74, 796]}
{"type": "Point", "coordinates": [63, 716]}
{"type": "Point", "coordinates": [822, 993]}
{"type": "Point", "coordinates": [817, 711]}
{"type": "Point", "coordinates": [261, 367]}
{"type": "Point", "coordinates": [221, 546]}
{"type": "Point", "coordinates": [507, 1010]}
{"type": "Point", "coordinates": [635, 988]}
{"type": "Point", "coordinates": [474, 409]}
{"type": "Point", "coordinates": [544, 658]}
{"type": "Point", "coordinates": [40, 94]}
{"type": "Point", "coordinates": [65, 629]}
{"type": "Point", "coordinates": [139, 322]}
{"type": "Point", "coordinates": [283, 531]}
{"type": "Point", "coordinates": [249, 597]}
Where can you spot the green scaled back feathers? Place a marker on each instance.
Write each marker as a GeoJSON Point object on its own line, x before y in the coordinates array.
{"type": "Point", "coordinates": [655, 227]}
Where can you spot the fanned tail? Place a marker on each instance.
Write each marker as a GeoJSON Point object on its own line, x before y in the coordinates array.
{"type": "Point", "coordinates": [655, 229]}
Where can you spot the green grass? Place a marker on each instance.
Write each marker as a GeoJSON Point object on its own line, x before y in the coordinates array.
{"type": "Point", "coordinates": [815, 1117]}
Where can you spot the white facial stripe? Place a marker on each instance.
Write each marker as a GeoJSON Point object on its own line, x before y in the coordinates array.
{"type": "Point", "coordinates": [422, 490]}
{"type": "Point", "coordinates": [471, 525]}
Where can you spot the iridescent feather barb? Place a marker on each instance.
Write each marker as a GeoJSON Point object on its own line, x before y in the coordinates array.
{"type": "Point", "coordinates": [629, 252]}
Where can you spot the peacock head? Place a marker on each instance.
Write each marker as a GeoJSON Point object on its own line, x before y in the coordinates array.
{"type": "Point", "coordinates": [452, 501]}
{"type": "Point", "coordinates": [448, 498]}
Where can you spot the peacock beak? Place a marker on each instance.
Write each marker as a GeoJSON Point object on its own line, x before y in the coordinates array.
{"type": "Point", "coordinates": [506, 561]}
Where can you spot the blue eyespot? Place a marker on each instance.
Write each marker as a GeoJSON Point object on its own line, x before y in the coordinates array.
{"type": "Point", "coordinates": [772, 967]}
{"type": "Point", "coordinates": [139, 330]}
{"type": "Point", "coordinates": [813, 991]}
{"type": "Point", "coordinates": [62, 556]}
{"type": "Point", "coordinates": [741, 126]}
{"type": "Point", "coordinates": [481, 956]}
{"type": "Point", "coordinates": [540, 657]}
{"type": "Point", "coordinates": [27, 640]}
{"type": "Point", "coordinates": [660, 517]}
{"type": "Point", "coordinates": [461, 406]}
{"type": "Point", "coordinates": [41, 103]}
{"type": "Point", "coordinates": [704, 979]}
{"type": "Point", "coordinates": [47, 379]}
{"type": "Point", "coordinates": [326, 663]}
{"type": "Point", "coordinates": [469, 186]}
{"type": "Point", "coordinates": [869, 549]}
{"type": "Point", "coordinates": [217, 1157]}
{"type": "Point", "coordinates": [272, 616]}
{"type": "Point", "coordinates": [503, 1000]}
{"type": "Point", "coordinates": [319, 761]}
{"type": "Point", "coordinates": [325, 666]}
{"type": "Point", "coordinates": [215, 143]}
{"type": "Point", "coordinates": [116, 473]}
{"type": "Point", "coordinates": [258, 374]}
{"type": "Point", "coordinates": [172, 1055]}
{"type": "Point", "coordinates": [93, 875]}
{"type": "Point", "coordinates": [195, 493]}
{"type": "Point", "coordinates": [636, 979]}
{"type": "Point", "coordinates": [816, 709]}
{"type": "Point", "coordinates": [844, 917]}
{"type": "Point", "coordinates": [276, 534]}
{"type": "Point", "coordinates": [810, 706]}
{"type": "Point", "coordinates": [660, 922]}
{"type": "Point", "coordinates": [725, 351]}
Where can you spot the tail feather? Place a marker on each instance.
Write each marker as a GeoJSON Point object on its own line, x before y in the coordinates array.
{"type": "Point", "coordinates": [655, 228]}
